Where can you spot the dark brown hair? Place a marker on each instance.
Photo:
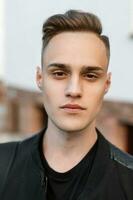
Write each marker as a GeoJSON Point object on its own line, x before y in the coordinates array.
{"type": "Point", "coordinates": [73, 21]}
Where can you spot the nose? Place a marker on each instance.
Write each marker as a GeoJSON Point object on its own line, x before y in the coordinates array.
{"type": "Point", "coordinates": [74, 88]}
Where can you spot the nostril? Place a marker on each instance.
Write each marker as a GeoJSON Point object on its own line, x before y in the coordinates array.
{"type": "Point", "coordinates": [74, 95]}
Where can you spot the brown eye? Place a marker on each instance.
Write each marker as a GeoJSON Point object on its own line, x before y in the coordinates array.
{"type": "Point", "coordinates": [59, 74]}
{"type": "Point", "coordinates": [90, 76]}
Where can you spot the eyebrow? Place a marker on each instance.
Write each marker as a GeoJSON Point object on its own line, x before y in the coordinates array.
{"type": "Point", "coordinates": [68, 67]}
{"type": "Point", "coordinates": [59, 65]}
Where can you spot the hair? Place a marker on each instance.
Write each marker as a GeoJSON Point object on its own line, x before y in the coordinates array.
{"type": "Point", "coordinates": [72, 21]}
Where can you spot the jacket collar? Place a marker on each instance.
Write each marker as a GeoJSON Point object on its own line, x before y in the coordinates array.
{"type": "Point", "coordinates": [35, 153]}
{"type": "Point", "coordinates": [100, 166]}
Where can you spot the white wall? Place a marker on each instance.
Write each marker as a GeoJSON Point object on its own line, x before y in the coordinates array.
{"type": "Point", "coordinates": [23, 39]}
{"type": "Point", "coordinates": [2, 34]}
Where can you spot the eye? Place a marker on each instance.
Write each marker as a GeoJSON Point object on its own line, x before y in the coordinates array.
{"type": "Point", "coordinates": [91, 76]}
{"type": "Point", "coordinates": [59, 74]}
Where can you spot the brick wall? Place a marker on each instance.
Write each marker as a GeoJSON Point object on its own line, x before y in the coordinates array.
{"type": "Point", "coordinates": [22, 112]}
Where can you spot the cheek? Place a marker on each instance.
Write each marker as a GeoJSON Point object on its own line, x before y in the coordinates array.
{"type": "Point", "coordinates": [95, 96]}
{"type": "Point", "coordinates": [95, 102]}
{"type": "Point", "coordinates": [97, 91]}
{"type": "Point", "coordinates": [52, 92]}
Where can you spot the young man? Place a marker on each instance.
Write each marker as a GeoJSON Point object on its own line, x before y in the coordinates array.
{"type": "Point", "coordinates": [69, 159]}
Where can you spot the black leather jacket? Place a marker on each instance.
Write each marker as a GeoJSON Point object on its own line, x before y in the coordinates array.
{"type": "Point", "coordinates": [22, 176]}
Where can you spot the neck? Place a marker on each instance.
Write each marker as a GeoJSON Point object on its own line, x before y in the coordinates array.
{"type": "Point", "coordinates": [63, 150]}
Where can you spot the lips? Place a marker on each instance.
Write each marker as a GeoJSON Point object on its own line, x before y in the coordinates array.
{"type": "Point", "coordinates": [73, 107]}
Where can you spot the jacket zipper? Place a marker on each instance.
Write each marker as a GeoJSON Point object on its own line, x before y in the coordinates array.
{"type": "Point", "coordinates": [44, 184]}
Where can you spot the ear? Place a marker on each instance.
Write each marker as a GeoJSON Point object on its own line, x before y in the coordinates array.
{"type": "Point", "coordinates": [108, 82]}
{"type": "Point", "coordinates": [39, 77]}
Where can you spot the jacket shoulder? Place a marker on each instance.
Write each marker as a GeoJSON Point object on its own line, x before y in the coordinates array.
{"type": "Point", "coordinates": [12, 154]}
{"type": "Point", "coordinates": [9, 147]}
{"type": "Point", "coordinates": [10, 150]}
{"type": "Point", "coordinates": [121, 157]}
{"type": "Point", "coordinates": [6, 150]}
{"type": "Point", "coordinates": [7, 155]}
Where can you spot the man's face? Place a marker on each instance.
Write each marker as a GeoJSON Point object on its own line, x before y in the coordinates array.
{"type": "Point", "coordinates": [74, 79]}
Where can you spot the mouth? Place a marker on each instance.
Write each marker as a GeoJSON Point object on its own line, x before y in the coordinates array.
{"type": "Point", "coordinates": [72, 108]}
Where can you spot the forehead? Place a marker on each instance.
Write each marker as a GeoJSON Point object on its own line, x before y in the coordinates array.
{"type": "Point", "coordinates": [76, 48]}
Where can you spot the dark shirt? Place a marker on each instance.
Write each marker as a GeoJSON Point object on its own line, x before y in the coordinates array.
{"type": "Point", "coordinates": [68, 185]}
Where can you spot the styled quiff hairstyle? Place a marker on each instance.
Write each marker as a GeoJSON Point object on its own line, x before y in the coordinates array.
{"type": "Point", "coordinates": [73, 21]}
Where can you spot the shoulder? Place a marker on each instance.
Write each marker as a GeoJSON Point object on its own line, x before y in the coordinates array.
{"type": "Point", "coordinates": [7, 149]}
{"type": "Point", "coordinates": [15, 155]}
{"type": "Point", "coordinates": [11, 149]}
{"type": "Point", "coordinates": [121, 157]}
{"type": "Point", "coordinates": [123, 163]}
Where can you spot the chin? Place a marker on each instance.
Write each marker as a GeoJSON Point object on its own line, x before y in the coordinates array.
{"type": "Point", "coordinates": [72, 127]}
{"type": "Point", "coordinates": [72, 124]}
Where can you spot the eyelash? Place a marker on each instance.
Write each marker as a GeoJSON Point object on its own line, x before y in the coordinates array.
{"type": "Point", "coordinates": [62, 75]}
{"type": "Point", "coordinates": [59, 74]}
{"type": "Point", "coordinates": [92, 76]}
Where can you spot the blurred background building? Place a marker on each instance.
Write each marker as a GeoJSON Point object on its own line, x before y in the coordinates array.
{"type": "Point", "coordinates": [21, 108]}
